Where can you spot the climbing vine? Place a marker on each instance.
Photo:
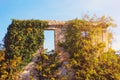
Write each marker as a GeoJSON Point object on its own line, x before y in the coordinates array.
{"type": "Point", "coordinates": [48, 66]}
{"type": "Point", "coordinates": [24, 37]}
{"type": "Point", "coordinates": [88, 58]}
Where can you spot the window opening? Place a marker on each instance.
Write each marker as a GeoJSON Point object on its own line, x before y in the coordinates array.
{"type": "Point", "coordinates": [49, 41]}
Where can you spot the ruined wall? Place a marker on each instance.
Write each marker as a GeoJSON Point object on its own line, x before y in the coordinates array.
{"type": "Point", "coordinates": [59, 28]}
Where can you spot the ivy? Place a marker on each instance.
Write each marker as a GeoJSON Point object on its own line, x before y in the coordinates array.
{"type": "Point", "coordinates": [23, 38]}
{"type": "Point", "coordinates": [88, 58]}
{"type": "Point", "coordinates": [48, 66]}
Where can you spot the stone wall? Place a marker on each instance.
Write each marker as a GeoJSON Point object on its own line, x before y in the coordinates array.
{"type": "Point", "coordinates": [59, 28]}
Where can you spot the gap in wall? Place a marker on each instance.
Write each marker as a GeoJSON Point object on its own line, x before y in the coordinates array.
{"type": "Point", "coordinates": [49, 42]}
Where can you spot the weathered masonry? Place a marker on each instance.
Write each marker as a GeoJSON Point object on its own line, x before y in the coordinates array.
{"type": "Point", "coordinates": [59, 28]}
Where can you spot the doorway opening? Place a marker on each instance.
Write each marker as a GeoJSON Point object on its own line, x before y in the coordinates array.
{"type": "Point", "coordinates": [49, 44]}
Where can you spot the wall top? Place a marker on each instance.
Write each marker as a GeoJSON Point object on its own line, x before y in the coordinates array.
{"type": "Point", "coordinates": [54, 22]}
{"type": "Point", "coordinates": [62, 23]}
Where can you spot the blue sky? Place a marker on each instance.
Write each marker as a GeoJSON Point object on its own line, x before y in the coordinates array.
{"type": "Point", "coordinates": [58, 10]}
{"type": "Point", "coordinates": [49, 40]}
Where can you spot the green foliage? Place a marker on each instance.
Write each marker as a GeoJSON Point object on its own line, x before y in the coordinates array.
{"type": "Point", "coordinates": [47, 66]}
{"type": "Point", "coordinates": [24, 37]}
{"type": "Point", "coordinates": [3, 72]}
{"type": "Point", "coordinates": [88, 58]}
